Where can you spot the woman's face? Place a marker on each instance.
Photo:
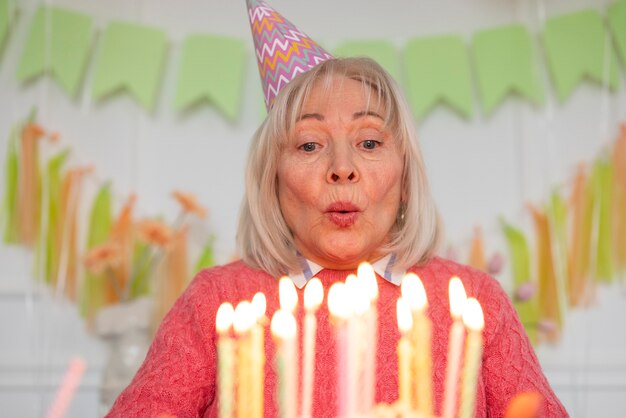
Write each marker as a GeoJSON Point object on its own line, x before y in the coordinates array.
{"type": "Point", "coordinates": [339, 177]}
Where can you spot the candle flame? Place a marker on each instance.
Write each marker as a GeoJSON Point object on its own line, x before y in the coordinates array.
{"type": "Point", "coordinates": [287, 294]}
{"type": "Point", "coordinates": [457, 297]}
{"type": "Point", "coordinates": [367, 276]}
{"type": "Point", "coordinates": [473, 315]}
{"type": "Point", "coordinates": [413, 292]}
{"type": "Point", "coordinates": [313, 295]}
{"type": "Point", "coordinates": [244, 317]}
{"type": "Point", "coordinates": [405, 319]}
{"type": "Point", "coordinates": [283, 324]}
{"type": "Point", "coordinates": [338, 302]}
{"type": "Point", "coordinates": [259, 305]}
{"type": "Point", "coordinates": [224, 317]}
{"type": "Point", "coordinates": [357, 301]}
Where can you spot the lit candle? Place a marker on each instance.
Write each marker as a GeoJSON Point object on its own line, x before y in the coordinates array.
{"type": "Point", "coordinates": [259, 305]}
{"type": "Point", "coordinates": [243, 323]}
{"type": "Point", "coordinates": [338, 305]}
{"type": "Point", "coordinates": [367, 277]}
{"type": "Point", "coordinates": [357, 344]}
{"type": "Point", "coordinates": [225, 356]}
{"type": "Point", "coordinates": [455, 346]}
{"type": "Point", "coordinates": [414, 293]}
{"type": "Point", "coordinates": [287, 294]}
{"type": "Point", "coordinates": [313, 296]}
{"type": "Point", "coordinates": [284, 332]}
{"type": "Point", "coordinates": [405, 323]}
{"type": "Point", "coordinates": [474, 321]}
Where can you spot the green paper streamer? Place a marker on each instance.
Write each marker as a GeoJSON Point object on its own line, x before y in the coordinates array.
{"type": "Point", "coordinates": [557, 216]}
{"type": "Point", "coordinates": [131, 56]}
{"type": "Point", "coordinates": [382, 51]}
{"type": "Point", "coordinates": [100, 219]}
{"type": "Point", "coordinates": [59, 41]}
{"type": "Point", "coordinates": [616, 16]}
{"type": "Point", "coordinates": [437, 68]}
{"type": "Point", "coordinates": [51, 234]}
{"type": "Point", "coordinates": [207, 256]}
{"type": "Point", "coordinates": [212, 67]}
{"type": "Point", "coordinates": [504, 60]}
{"type": "Point", "coordinates": [576, 46]}
{"type": "Point", "coordinates": [7, 12]}
{"type": "Point", "coordinates": [520, 266]}
{"type": "Point", "coordinates": [10, 191]}
{"type": "Point", "coordinates": [602, 178]}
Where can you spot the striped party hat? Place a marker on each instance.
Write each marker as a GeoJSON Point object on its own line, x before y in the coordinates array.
{"type": "Point", "coordinates": [282, 51]}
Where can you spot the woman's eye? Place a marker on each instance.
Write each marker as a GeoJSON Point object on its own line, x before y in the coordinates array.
{"type": "Point", "coordinates": [370, 144]}
{"type": "Point", "coordinates": [308, 147]}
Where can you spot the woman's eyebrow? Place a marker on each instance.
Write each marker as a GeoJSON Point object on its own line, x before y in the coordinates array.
{"type": "Point", "coordinates": [315, 116]}
{"type": "Point", "coordinates": [367, 113]}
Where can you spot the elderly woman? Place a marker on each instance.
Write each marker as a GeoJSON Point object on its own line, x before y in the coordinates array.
{"type": "Point", "coordinates": [334, 178]}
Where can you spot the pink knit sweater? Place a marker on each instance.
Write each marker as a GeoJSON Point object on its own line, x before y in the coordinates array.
{"type": "Point", "coordinates": [178, 376]}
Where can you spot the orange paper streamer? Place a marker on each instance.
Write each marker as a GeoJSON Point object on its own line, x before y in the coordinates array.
{"type": "Point", "coordinates": [524, 405]}
{"type": "Point", "coordinates": [546, 275]}
{"type": "Point", "coordinates": [29, 199]}
{"type": "Point", "coordinates": [579, 257]}
{"type": "Point", "coordinates": [477, 257]}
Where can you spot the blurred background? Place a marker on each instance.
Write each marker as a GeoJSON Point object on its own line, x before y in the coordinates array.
{"type": "Point", "coordinates": [124, 128]}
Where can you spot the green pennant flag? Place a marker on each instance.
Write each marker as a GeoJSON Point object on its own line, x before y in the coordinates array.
{"type": "Point", "coordinates": [616, 16]}
{"type": "Point", "coordinates": [437, 68]}
{"type": "Point", "coordinates": [602, 178]}
{"type": "Point", "coordinates": [131, 56]}
{"type": "Point", "coordinates": [212, 67]}
{"type": "Point", "coordinates": [528, 310]}
{"type": "Point", "coordinates": [9, 204]}
{"type": "Point", "coordinates": [504, 61]}
{"type": "Point", "coordinates": [576, 47]}
{"type": "Point", "coordinates": [382, 51]}
{"type": "Point", "coordinates": [59, 41]}
{"type": "Point", "coordinates": [7, 12]}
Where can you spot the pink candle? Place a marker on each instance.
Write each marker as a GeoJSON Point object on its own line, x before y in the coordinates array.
{"type": "Point", "coordinates": [367, 278]}
{"type": "Point", "coordinates": [259, 305]}
{"type": "Point", "coordinates": [225, 360]}
{"type": "Point", "coordinates": [474, 321]}
{"type": "Point", "coordinates": [284, 332]}
{"type": "Point", "coordinates": [338, 301]}
{"type": "Point", "coordinates": [405, 323]}
{"type": "Point", "coordinates": [455, 347]}
{"type": "Point", "coordinates": [313, 296]}
{"type": "Point", "coordinates": [243, 323]}
{"type": "Point", "coordinates": [67, 388]}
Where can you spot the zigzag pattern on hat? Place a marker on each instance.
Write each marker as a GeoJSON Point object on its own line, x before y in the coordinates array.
{"type": "Point", "coordinates": [281, 49]}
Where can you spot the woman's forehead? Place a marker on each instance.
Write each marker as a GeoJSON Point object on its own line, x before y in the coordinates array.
{"type": "Point", "coordinates": [335, 91]}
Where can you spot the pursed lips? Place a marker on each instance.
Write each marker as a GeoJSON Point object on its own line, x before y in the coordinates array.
{"type": "Point", "coordinates": [343, 214]}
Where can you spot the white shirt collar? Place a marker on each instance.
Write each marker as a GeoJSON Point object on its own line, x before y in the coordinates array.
{"type": "Point", "coordinates": [385, 267]}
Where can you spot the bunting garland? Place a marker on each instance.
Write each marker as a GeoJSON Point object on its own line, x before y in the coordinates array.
{"type": "Point", "coordinates": [434, 69]}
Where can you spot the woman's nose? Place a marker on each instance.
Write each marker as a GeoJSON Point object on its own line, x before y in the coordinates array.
{"type": "Point", "coordinates": [342, 168]}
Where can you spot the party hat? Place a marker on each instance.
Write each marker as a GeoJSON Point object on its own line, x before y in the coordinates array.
{"type": "Point", "coordinates": [282, 51]}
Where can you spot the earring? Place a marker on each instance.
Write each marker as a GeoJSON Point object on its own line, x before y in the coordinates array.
{"type": "Point", "coordinates": [401, 212]}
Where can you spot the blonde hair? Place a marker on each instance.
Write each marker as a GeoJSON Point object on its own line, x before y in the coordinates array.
{"type": "Point", "coordinates": [263, 238]}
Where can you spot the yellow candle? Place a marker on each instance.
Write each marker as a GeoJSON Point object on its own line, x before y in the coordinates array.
{"type": "Point", "coordinates": [284, 332]}
{"type": "Point", "coordinates": [313, 296]}
{"type": "Point", "coordinates": [367, 278]}
{"type": "Point", "coordinates": [244, 321]}
{"type": "Point", "coordinates": [458, 299]}
{"type": "Point", "coordinates": [414, 293]}
{"type": "Point", "coordinates": [225, 357]}
{"type": "Point", "coordinates": [474, 321]}
{"type": "Point", "coordinates": [405, 323]}
{"type": "Point", "coordinates": [259, 305]}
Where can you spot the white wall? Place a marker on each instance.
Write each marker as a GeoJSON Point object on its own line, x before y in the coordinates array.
{"type": "Point", "coordinates": [479, 169]}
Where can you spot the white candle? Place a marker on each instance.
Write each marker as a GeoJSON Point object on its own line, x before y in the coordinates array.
{"type": "Point", "coordinates": [415, 294]}
{"type": "Point", "coordinates": [259, 305]}
{"type": "Point", "coordinates": [243, 323]}
{"type": "Point", "coordinates": [455, 346]}
{"type": "Point", "coordinates": [367, 277]}
{"type": "Point", "coordinates": [284, 331]}
{"type": "Point", "coordinates": [474, 321]}
{"type": "Point", "coordinates": [405, 323]}
{"type": "Point", "coordinates": [226, 362]}
{"type": "Point", "coordinates": [313, 296]}
{"type": "Point", "coordinates": [338, 305]}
